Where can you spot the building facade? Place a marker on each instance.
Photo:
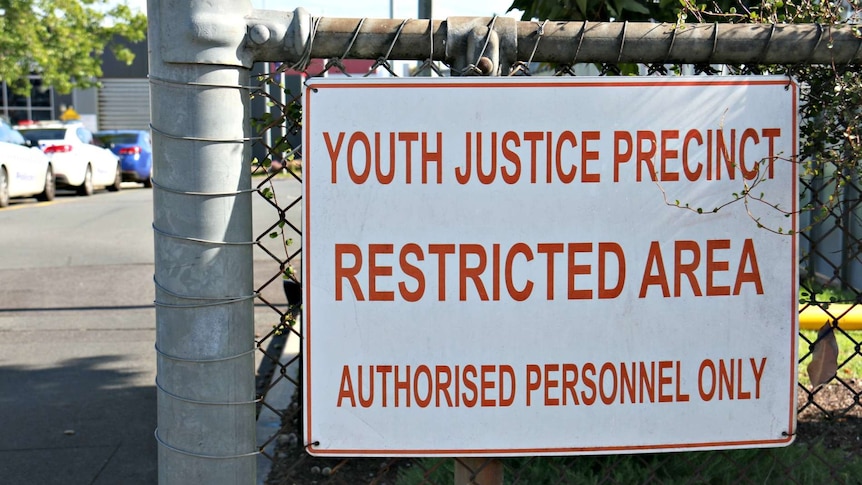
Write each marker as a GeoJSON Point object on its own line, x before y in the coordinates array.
{"type": "Point", "coordinates": [122, 101]}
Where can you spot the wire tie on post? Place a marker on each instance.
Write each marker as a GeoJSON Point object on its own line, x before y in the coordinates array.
{"type": "Point", "coordinates": [201, 361]}
{"type": "Point", "coordinates": [670, 47]}
{"type": "Point", "coordinates": [202, 194]}
{"type": "Point", "coordinates": [580, 41]}
{"type": "Point", "coordinates": [221, 300]}
{"type": "Point", "coordinates": [353, 39]}
{"type": "Point", "coordinates": [473, 68]}
{"type": "Point", "coordinates": [210, 140]}
{"type": "Point", "coordinates": [304, 59]}
{"type": "Point", "coordinates": [203, 241]}
{"type": "Point", "coordinates": [212, 301]}
{"type": "Point", "coordinates": [206, 403]}
{"type": "Point", "coordinates": [540, 32]}
{"type": "Point", "coordinates": [395, 39]}
{"type": "Point", "coordinates": [430, 61]}
{"type": "Point", "coordinates": [819, 38]}
{"type": "Point", "coordinates": [487, 38]}
{"type": "Point", "coordinates": [763, 53]}
{"type": "Point", "coordinates": [199, 305]}
{"type": "Point", "coordinates": [431, 37]}
{"type": "Point", "coordinates": [622, 42]}
{"type": "Point", "coordinates": [159, 80]}
{"type": "Point", "coordinates": [199, 455]}
{"type": "Point", "coordinates": [714, 42]}
{"type": "Point", "coordinates": [384, 61]}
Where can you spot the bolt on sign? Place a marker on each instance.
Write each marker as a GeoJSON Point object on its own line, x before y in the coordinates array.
{"type": "Point", "coordinates": [522, 266]}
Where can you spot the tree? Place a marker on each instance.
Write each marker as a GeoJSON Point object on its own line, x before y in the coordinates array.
{"type": "Point", "coordinates": [63, 40]}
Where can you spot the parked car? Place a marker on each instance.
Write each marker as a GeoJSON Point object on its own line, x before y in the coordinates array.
{"type": "Point", "coordinates": [24, 170]}
{"type": "Point", "coordinates": [77, 162]}
{"type": "Point", "coordinates": [135, 151]}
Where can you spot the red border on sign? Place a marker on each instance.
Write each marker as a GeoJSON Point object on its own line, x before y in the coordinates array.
{"type": "Point", "coordinates": [312, 445]}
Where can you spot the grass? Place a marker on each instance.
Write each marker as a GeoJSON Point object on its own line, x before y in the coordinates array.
{"type": "Point", "coordinates": [819, 294]}
{"type": "Point", "coordinates": [849, 357]}
{"type": "Point", "coordinates": [798, 463]}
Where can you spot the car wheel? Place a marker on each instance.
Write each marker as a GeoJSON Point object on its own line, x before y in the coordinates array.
{"type": "Point", "coordinates": [118, 180]}
{"type": "Point", "coordinates": [148, 182]}
{"type": "Point", "coordinates": [4, 188]}
{"type": "Point", "coordinates": [50, 186]}
{"type": "Point", "coordinates": [86, 187]}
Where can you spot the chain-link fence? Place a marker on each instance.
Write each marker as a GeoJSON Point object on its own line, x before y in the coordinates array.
{"type": "Point", "coordinates": [828, 445]}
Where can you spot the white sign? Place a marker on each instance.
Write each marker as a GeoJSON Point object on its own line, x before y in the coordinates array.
{"type": "Point", "coordinates": [524, 266]}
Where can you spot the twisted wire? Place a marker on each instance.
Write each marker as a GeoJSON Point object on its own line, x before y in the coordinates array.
{"type": "Point", "coordinates": [202, 194]}
{"type": "Point", "coordinates": [198, 138]}
{"type": "Point", "coordinates": [203, 241]}
{"type": "Point", "coordinates": [160, 80]}
{"type": "Point", "coordinates": [384, 60]}
{"type": "Point", "coordinates": [201, 361]}
{"type": "Point", "coordinates": [305, 58]}
{"type": "Point", "coordinates": [200, 455]}
{"type": "Point", "coordinates": [205, 403]}
{"type": "Point", "coordinates": [540, 32]}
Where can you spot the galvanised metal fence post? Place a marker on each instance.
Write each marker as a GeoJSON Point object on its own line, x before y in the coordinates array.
{"type": "Point", "coordinates": [203, 254]}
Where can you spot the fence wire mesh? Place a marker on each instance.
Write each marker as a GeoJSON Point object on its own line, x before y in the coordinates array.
{"type": "Point", "coordinates": [828, 446]}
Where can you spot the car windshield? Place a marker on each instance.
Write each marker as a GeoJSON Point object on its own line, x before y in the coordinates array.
{"type": "Point", "coordinates": [108, 139]}
{"type": "Point", "coordinates": [37, 134]}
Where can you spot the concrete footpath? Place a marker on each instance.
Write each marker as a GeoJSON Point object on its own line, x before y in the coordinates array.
{"type": "Point", "coordinates": [77, 394]}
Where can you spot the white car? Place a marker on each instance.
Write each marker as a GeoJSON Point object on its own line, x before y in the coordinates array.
{"type": "Point", "coordinates": [24, 171]}
{"type": "Point", "coordinates": [77, 162]}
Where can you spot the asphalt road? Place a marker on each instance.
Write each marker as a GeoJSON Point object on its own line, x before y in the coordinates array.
{"type": "Point", "coordinates": [77, 329]}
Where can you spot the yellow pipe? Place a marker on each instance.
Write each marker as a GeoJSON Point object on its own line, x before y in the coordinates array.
{"type": "Point", "coordinates": [813, 317]}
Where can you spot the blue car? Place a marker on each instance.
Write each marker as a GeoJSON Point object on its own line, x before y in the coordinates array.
{"type": "Point", "coordinates": [135, 151]}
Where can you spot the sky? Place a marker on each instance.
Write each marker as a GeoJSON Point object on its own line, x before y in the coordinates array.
{"type": "Point", "coordinates": [379, 8]}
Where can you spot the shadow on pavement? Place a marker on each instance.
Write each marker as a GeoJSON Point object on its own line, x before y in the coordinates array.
{"type": "Point", "coordinates": [84, 421]}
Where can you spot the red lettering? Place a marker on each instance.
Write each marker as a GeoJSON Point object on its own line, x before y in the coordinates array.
{"type": "Point", "coordinates": [746, 260]}
{"type": "Point", "coordinates": [621, 157]}
{"type": "Point", "coordinates": [654, 258]}
{"type": "Point", "coordinates": [578, 269]}
{"type": "Point", "coordinates": [713, 266]}
{"type": "Point", "coordinates": [375, 270]}
{"type": "Point", "coordinates": [333, 152]}
{"type": "Point", "coordinates": [348, 273]}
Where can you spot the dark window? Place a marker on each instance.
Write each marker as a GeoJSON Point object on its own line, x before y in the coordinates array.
{"type": "Point", "coordinates": [18, 115]}
{"type": "Point", "coordinates": [39, 96]}
{"type": "Point", "coordinates": [37, 134]}
{"type": "Point", "coordinates": [107, 139]}
{"type": "Point", "coordinates": [15, 100]}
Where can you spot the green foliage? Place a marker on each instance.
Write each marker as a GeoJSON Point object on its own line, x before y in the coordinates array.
{"type": "Point", "coordinates": [63, 40]}
{"type": "Point", "coordinates": [619, 10]}
{"type": "Point", "coordinates": [812, 292]}
{"type": "Point", "coordinates": [596, 9]}
{"type": "Point", "coordinates": [799, 463]}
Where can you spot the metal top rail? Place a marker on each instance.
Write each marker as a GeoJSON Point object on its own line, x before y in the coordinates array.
{"type": "Point", "coordinates": [548, 41]}
{"type": "Point", "coordinates": [296, 37]}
